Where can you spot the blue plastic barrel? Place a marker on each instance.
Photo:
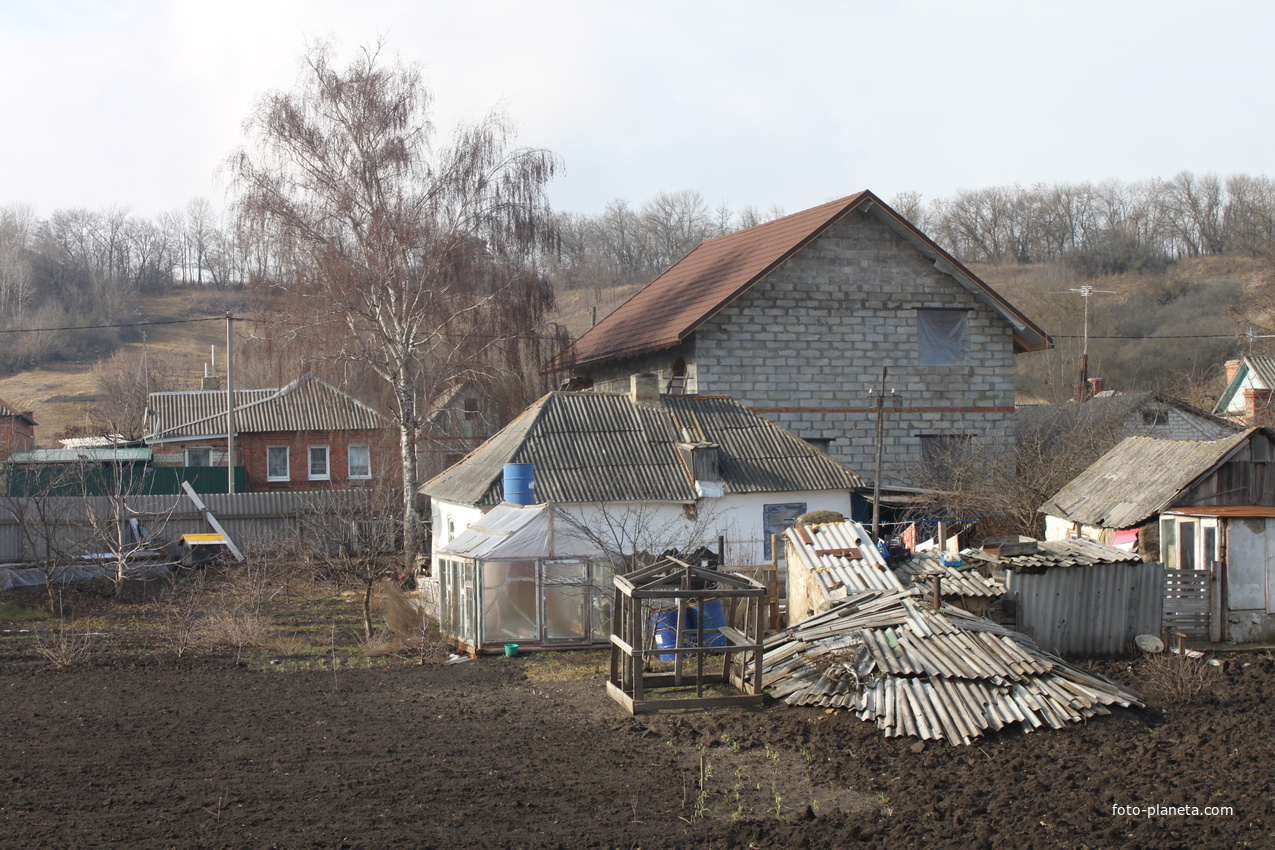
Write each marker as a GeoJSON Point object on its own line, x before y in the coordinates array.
{"type": "Point", "coordinates": [520, 483]}
{"type": "Point", "coordinates": [664, 623]}
{"type": "Point", "coordinates": [714, 619]}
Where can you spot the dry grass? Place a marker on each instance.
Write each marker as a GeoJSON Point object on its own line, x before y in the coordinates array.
{"type": "Point", "coordinates": [568, 666]}
{"type": "Point", "coordinates": [289, 646]}
{"type": "Point", "coordinates": [233, 629]}
{"type": "Point", "coordinates": [403, 614]}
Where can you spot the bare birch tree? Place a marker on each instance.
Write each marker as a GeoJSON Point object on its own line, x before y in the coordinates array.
{"type": "Point", "coordinates": [421, 254]}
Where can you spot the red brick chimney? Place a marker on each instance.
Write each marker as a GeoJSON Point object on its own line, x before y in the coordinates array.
{"type": "Point", "coordinates": [1232, 366]}
{"type": "Point", "coordinates": [1258, 406]}
{"type": "Point", "coordinates": [1096, 385]}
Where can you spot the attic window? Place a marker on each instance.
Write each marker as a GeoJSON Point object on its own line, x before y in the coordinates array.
{"type": "Point", "coordinates": [471, 408]}
{"type": "Point", "coordinates": [1261, 448]}
{"type": "Point", "coordinates": [702, 460]}
{"type": "Point", "coordinates": [942, 337]}
{"type": "Point", "coordinates": [1153, 416]}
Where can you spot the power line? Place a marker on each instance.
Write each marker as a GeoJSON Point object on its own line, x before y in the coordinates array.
{"type": "Point", "coordinates": [124, 325]}
{"type": "Point", "coordinates": [1141, 337]}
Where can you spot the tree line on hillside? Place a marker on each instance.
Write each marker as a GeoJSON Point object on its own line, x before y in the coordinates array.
{"type": "Point", "coordinates": [1109, 227]}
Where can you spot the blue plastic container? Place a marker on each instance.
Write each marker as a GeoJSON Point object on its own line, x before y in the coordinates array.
{"type": "Point", "coordinates": [664, 623]}
{"type": "Point", "coordinates": [714, 619]}
{"type": "Point", "coordinates": [520, 483]}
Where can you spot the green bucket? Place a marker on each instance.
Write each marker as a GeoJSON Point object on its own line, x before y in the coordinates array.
{"type": "Point", "coordinates": [511, 649]}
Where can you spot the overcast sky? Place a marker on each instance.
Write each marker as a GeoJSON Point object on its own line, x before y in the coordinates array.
{"type": "Point", "coordinates": [766, 104]}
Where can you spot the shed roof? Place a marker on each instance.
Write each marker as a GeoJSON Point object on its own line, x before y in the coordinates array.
{"type": "Point", "coordinates": [719, 270]}
{"type": "Point", "coordinates": [1050, 554]}
{"type": "Point", "coordinates": [509, 532]}
{"type": "Point", "coordinates": [90, 455]}
{"type": "Point", "coordinates": [1137, 479]}
{"type": "Point", "coordinates": [602, 447]}
{"type": "Point", "coordinates": [307, 404]}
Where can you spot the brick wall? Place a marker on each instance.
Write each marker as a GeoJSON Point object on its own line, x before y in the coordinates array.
{"type": "Point", "coordinates": [802, 346]}
{"type": "Point", "coordinates": [251, 451]}
{"type": "Point", "coordinates": [16, 435]}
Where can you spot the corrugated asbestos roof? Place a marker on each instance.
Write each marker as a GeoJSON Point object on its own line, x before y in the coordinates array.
{"type": "Point", "coordinates": [843, 561]}
{"type": "Point", "coordinates": [92, 455]}
{"type": "Point", "coordinates": [1051, 554]}
{"type": "Point", "coordinates": [599, 447]}
{"type": "Point", "coordinates": [892, 659]}
{"type": "Point", "coordinates": [719, 270]}
{"type": "Point", "coordinates": [1137, 479]}
{"type": "Point", "coordinates": [306, 404]}
{"type": "Point", "coordinates": [6, 409]}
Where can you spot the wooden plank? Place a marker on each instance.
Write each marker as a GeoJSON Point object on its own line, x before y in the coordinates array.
{"type": "Point", "coordinates": [212, 521]}
{"type": "Point", "coordinates": [746, 700]}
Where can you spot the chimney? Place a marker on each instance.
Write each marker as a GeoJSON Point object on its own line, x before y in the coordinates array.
{"type": "Point", "coordinates": [1232, 366]}
{"type": "Point", "coordinates": [1257, 406]}
{"type": "Point", "coordinates": [645, 389]}
{"type": "Point", "coordinates": [1096, 385]}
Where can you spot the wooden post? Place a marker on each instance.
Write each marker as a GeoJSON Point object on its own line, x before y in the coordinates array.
{"type": "Point", "coordinates": [774, 589]}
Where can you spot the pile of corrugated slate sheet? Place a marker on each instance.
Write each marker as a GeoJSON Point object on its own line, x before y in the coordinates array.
{"type": "Point", "coordinates": [944, 674]}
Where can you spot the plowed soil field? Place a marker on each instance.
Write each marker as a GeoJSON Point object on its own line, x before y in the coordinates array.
{"type": "Point", "coordinates": [149, 751]}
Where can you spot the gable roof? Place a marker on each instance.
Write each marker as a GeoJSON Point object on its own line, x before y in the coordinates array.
{"type": "Point", "coordinates": [6, 409]}
{"type": "Point", "coordinates": [1137, 479]}
{"type": "Point", "coordinates": [1108, 410]}
{"type": "Point", "coordinates": [1260, 369]}
{"type": "Point", "coordinates": [719, 270]}
{"type": "Point", "coordinates": [601, 447]}
{"type": "Point", "coordinates": [306, 404]}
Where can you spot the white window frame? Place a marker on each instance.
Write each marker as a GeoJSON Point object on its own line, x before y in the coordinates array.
{"type": "Point", "coordinates": [287, 464]}
{"type": "Point", "coordinates": [349, 461]}
{"type": "Point", "coordinates": [207, 449]}
{"type": "Point", "coordinates": [326, 475]}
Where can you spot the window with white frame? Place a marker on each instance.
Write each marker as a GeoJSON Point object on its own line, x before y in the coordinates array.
{"type": "Point", "coordinates": [319, 469]}
{"type": "Point", "coordinates": [360, 460]}
{"type": "Point", "coordinates": [199, 456]}
{"type": "Point", "coordinates": [277, 463]}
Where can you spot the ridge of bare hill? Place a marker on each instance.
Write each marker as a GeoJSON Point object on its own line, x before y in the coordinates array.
{"type": "Point", "coordinates": [61, 394]}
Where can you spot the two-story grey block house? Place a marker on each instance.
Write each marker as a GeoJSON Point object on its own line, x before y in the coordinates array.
{"type": "Point", "coordinates": [795, 318]}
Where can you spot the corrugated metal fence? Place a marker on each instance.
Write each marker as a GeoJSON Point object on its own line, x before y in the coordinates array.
{"type": "Point", "coordinates": [1092, 610]}
{"type": "Point", "coordinates": [253, 520]}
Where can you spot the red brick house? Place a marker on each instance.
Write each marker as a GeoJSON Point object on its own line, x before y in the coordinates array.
{"type": "Point", "coordinates": [306, 436]}
{"type": "Point", "coordinates": [17, 430]}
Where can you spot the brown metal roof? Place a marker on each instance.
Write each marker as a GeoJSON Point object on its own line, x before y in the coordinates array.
{"type": "Point", "coordinates": [715, 273]}
{"type": "Point", "coordinates": [307, 404]}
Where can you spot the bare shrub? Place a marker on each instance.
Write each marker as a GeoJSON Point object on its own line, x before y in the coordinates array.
{"type": "Point", "coordinates": [66, 645]}
{"type": "Point", "coordinates": [404, 615]}
{"type": "Point", "coordinates": [185, 612]}
{"type": "Point", "coordinates": [1175, 678]}
{"type": "Point", "coordinates": [236, 629]}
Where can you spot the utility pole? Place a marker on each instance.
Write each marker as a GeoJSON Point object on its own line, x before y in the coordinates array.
{"type": "Point", "coordinates": [876, 470]}
{"type": "Point", "coordinates": [230, 403]}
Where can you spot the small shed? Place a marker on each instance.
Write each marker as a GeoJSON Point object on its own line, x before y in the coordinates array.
{"type": "Point", "coordinates": [524, 574]}
{"type": "Point", "coordinates": [1205, 510]}
{"type": "Point", "coordinates": [1079, 596]}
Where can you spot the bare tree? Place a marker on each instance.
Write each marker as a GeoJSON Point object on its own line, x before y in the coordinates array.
{"type": "Point", "coordinates": [420, 253]}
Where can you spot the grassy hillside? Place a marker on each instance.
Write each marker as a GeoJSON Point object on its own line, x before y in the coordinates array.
{"type": "Point", "coordinates": [1202, 298]}
{"type": "Point", "coordinates": [62, 394]}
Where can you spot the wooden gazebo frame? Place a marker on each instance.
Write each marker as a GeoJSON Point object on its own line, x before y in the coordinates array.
{"type": "Point", "coordinates": [680, 585]}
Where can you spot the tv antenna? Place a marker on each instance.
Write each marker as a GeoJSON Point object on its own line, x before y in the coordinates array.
{"type": "Point", "coordinates": [1086, 292]}
{"type": "Point", "coordinates": [1251, 335]}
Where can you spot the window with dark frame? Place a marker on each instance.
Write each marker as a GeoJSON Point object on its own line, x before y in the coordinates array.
{"type": "Point", "coordinates": [471, 408]}
{"type": "Point", "coordinates": [277, 463]}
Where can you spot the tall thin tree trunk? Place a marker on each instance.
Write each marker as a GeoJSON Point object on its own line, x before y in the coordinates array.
{"type": "Point", "coordinates": [407, 447]}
